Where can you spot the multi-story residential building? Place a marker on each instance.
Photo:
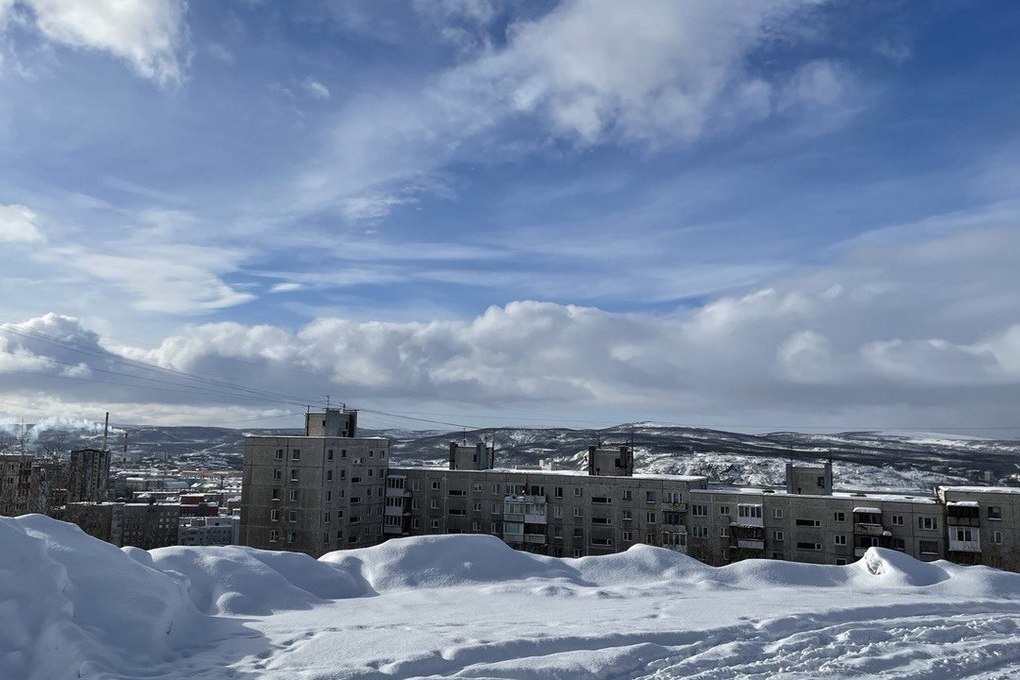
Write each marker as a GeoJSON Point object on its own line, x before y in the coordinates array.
{"type": "Point", "coordinates": [88, 475]}
{"type": "Point", "coordinates": [199, 530]}
{"type": "Point", "coordinates": [142, 525]}
{"type": "Point", "coordinates": [317, 492]}
{"type": "Point", "coordinates": [608, 508]}
{"type": "Point", "coordinates": [24, 484]}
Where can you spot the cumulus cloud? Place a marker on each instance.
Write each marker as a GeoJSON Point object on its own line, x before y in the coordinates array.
{"type": "Point", "coordinates": [922, 334]}
{"type": "Point", "coordinates": [18, 225]}
{"type": "Point", "coordinates": [148, 34]}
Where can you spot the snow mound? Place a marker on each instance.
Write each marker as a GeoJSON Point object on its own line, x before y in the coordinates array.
{"type": "Point", "coordinates": [236, 580]}
{"type": "Point", "coordinates": [443, 561]}
{"type": "Point", "coordinates": [74, 606]}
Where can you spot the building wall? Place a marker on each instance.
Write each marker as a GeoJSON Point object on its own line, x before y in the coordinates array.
{"type": "Point", "coordinates": [313, 494]}
{"type": "Point", "coordinates": [88, 475]}
{"type": "Point", "coordinates": [584, 515]}
{"type": "Point", "coordinates": [208, 531]}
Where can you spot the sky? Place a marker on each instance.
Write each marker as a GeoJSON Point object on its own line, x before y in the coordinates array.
{"type": "Point", "coordinates": [744, 214]}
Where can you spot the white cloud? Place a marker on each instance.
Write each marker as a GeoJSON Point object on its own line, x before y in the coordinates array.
{"type": "Point", "coordinates": [148, 34]}
{"type": "Point", "coordinates": [286, 287]}
{"type": "Point", "coordinates": [18, 224]}
{"type": "Point", "coordinates": [654, 74]}
{"type": "Point", "coordinates": [315, 88]}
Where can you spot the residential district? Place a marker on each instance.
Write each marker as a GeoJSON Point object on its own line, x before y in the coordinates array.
{"type": "Point", "coordinates": [329, 490]}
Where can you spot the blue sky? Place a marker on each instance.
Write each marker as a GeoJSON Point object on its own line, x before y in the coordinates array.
{"type": "Point", "coordinates": [722, 213]}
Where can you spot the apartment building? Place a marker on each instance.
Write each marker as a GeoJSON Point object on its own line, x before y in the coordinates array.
{"type": "Point", "coordinates": [88, 475]}
{"type": "Point", "coordinates": [602, 510]}
{"type": "Point", "coordinates": [317, 492]}
{"type": "Point", "coordinates": [142, 525]}
{"type": "Point", "coordinates": [25, 484]}
{"type": "Point", "coordinates": [204, 530]}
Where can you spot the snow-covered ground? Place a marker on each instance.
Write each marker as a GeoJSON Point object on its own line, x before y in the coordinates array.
{"type": "Point", "coordinates": [469, 606]}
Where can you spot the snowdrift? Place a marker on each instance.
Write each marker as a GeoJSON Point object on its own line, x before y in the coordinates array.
{"type": "Point", "coordinates": [73, 606]}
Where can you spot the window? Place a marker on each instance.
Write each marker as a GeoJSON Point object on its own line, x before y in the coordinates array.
{"type": "Point", "coordinates": [650, 517]}
{"type": "Point", "coordinates": [699, 532]}
{"type": "Point", "coordinates": [434, 504]}
{"type": "Point", "coordinates": [628, 495]}
{"type": "Point", "coordinates": [325, 518]}
{"type": "Point", "coordinates": [778, 536]}
{"type": "Point", "coordinates": [669, 517]}
{"type": "Point", "coordinates": [604, 500]}
{"type": "Point", "coordinates": [355, 499]}
{"type": "Point", "coordinates": [626, 514]}
{"type": "Point", "coordinates": [495, 488]}
{"type": "Point", "coordinates": [927, 523]}
{"type": "Point", "coordinates": [964, 534]}
{"type": "Point", "coordinates": [698, 510]}
{"type": "Point", "coordinates": [371, 453]}
{"type": "Point", "coordinates": [277, 475]}
{"type": "Point", "coordinates": [558, 492]}
{"type": "Point", "coordinates": [291, 536]}
{"type": "Point", "coordinates": [435, 486]}
{"type": "Point", "coordinates": [577, 512]}
{"type": "Point", "coordinates": [477, 488]}
{"type": "Point", "coordinates": [329, 454]}
{"type": "Point", "coordinates": [279, 454]}
{"type": "Point", "coordinates": [274, 535]}
{"type": "Point", "coordinates": [749, 511]}
{"type": "Point", "coordinates": [672, 497]}
{"type": "Point", "coordinates": [292, 515]}
{"type": "Point", "coordinates": [274, 515]}
{"type": "Point", "coordinates": [929, 547]}
{"type": "Point", "coordinates": [495, 509]}
{"type": "Point", "coordinates": [355, 480]}
{"type": "Point", "coordinates": [414, 522]}
{"type": "Point", "coordinates": [329, 475]}
{"type": "Point", "coordinates": [808, 523]}
{"type": "Point", "coordinates": [295, 454]}
{"type": "Point", "coordinates": [649, 496]}
{"type": "Point", "coordinates": [276, 494]}
{"type": "Point", "coordinates": [343, 453]}
{"type": "Point", "coordinates": [840, 539]}
{"type": "Point", "coordinates": [801, 545]}
{"type": "Point", "coordinates": [477, 506]}
{"type": "Point", "coordinates": [434, 524]}
{"type": "Point", "coordinates": [474, 526]}
{"type": "Point", "coordinates": [292, 495]}
{"type": "Point", "coordinates": [455, 492]}
{"type": "Point", "coordinates": [840, 561]}
{"type": "Point", "coordinates": [897, 520]}
{"type": "Point", "coordinates": [724, 532]}
{"type": "Point", "coordinates": [777, 513]}
{"type": "Point", "coordinates": [821, 482]}
{"type": "Point", "coordinates": [994, 512]}
{"type": "Point", "coordinates": [839, 516]}
{"type": "Point", "coordinates": [997, 537]}
{"type": "Point", "coordinates": [557, 511]}
{"type": "Point", "coordinates": [724, 510]}
{"type": "Point", "coordinates": [577, 491]}
{"type": "Point", "coordinates": [293, 475]}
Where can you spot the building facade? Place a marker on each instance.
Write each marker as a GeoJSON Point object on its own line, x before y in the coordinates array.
{"type": "Point", "coordinates": [88, 475]}
{"type": "Point", "coordinates": [314, 493]}
{"type": "Point", "coordinates": [294, 503]}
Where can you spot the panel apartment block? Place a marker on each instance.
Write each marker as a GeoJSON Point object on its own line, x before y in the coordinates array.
{"type": "Point", "coordinates": [313, 494]}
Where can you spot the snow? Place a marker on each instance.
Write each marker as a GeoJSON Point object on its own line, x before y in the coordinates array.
{"type": "Point", "coordinates": [469, 606]}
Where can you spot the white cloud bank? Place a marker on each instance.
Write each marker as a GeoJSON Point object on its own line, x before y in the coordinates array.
{"type": "Point", "coordinates": [18, 225]}
{"type": "Point", "coordinates": [150, 35]}
{"type": "Point", "coordinates": [899, 336]}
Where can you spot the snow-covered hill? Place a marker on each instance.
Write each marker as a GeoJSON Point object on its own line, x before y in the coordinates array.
{"type": "Point", "coordinates": [469, 606]}
{"type": "Point", "coordinates": [865, 460]}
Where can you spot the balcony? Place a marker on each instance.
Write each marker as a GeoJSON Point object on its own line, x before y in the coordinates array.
{"type": "Point", "coordinates": [393, 530]}
{"type": "Point", "coordinates": [394, 511]}
{"type": "Point", "coordinates": [538, 539]}
{"type": "Point", "coordinates": [868, 529]}
{"type": "Point", "coordinates": [747, 544]}
{"type": "Point", "coordinates": [397, 493]}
